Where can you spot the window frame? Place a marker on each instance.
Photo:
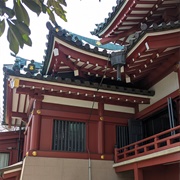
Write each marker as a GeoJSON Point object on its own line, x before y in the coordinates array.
{"type": "Point", "coordinates": [69, 141]}
{"type": "Point", "coordinates": [8, 161]}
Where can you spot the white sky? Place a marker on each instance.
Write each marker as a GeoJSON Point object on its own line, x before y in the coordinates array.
{"type": "Point", "coordinates": [82, 16]}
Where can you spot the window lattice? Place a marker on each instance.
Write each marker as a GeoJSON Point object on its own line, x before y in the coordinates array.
{"type": "Point", "coordinates": [69, 136]}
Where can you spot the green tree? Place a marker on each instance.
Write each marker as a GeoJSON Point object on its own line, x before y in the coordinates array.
{"type": "Point", "coordinates": [17, 19]}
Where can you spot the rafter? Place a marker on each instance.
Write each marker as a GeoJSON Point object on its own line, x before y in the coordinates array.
{"type": "Point", "coordinates": [125, 14]}
{"type": "Point", "coordinates": [161, 71]}
{"type": "Point", "coordinates": [63, 58]}
{"type": "Point", "coordinates": [84, 57]}
{"type": "Point", "coordinates": [78, 92]}
{"type": "Point", "coordinates": [20, 115]}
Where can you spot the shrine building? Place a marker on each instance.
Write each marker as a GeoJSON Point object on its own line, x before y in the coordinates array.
{"type": "Point", "coordinates": [106, 109]}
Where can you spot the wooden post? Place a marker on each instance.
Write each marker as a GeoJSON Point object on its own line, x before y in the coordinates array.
{"type": "Point", "coordinates": [135, 149]}
{"type": "Point", "coordinates": [138, 173]}
{"type": "Point", "coordinates": [101, 129]}
{"type": "Point", "coordinates": [156, 146]}
{"type": "Point", "coordinates": [125, 153]}
{"type": "Point", "coordinates": [136, 108]}
{"type": "Point", "coordinates": [36, 125]}
{"type": "Point", "coordinates": [115, 155]}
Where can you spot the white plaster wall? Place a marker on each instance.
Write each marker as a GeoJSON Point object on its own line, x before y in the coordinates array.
{"type": "Point", "coordinates": [118, 108]}
{"type": "Point", "coordinates": [41, 168]}
{"type": "Point", "coordinates": [69, 102]}
{"type": "Point", "coordinates": [85, 104]}
{"type": "Point", "coordinates": [163, 88]}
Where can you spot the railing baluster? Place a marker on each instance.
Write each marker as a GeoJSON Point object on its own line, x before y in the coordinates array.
{"type": "Point", "coordinates": [116, 155]}
{"type": "Point", "coordinates": [125, 155]}
{"type": "Point", "coordinates": [155, 142]}
{"type": "Point", "coordinates": [168, 142]}
{"type": "Point", "coordinates": [135, 149]}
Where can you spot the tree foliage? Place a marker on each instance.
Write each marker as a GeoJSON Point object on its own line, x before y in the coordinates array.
{"type": "Point", "coordinates": [17, 19]}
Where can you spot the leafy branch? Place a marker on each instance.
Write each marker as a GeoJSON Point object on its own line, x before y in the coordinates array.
{"type": "Point", "coordinates": [17, 19]}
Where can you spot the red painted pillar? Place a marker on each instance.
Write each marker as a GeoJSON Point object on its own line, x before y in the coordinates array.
{"type": "Point", "coordinates": [138, 173]}
{"type": "Point", "coordinates": [36, 126]}
{"type": "Point", "coordinates": [101, 128]}
{"type": "Point", "coordinates": [136, 108]}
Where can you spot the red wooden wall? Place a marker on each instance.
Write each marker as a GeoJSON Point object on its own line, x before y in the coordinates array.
{"type": "Point", "coordinates": [110, 121]}
{"type": "Point", "coordinates": [162, 172]}
{"type": "Point", "coordinates": [9, 144]}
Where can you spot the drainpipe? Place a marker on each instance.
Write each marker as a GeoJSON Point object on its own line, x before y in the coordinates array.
{"type": "Point", "coordinates": [89, 169]}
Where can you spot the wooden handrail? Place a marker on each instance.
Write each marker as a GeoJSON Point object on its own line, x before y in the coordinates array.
{"type": "Point", "coordinates": [142, 147]}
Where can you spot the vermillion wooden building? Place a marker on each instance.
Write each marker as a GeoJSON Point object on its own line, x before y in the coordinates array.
{"type": "Point", "coordinates": [90, 113]}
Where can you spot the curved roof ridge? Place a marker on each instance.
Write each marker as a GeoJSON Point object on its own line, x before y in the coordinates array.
{"type": "Point", "coordinates": [76, 37]}
{"type": "Point", "coordinates": [101, 26]}
{"type": "Point", "coordinates": [94, 42]}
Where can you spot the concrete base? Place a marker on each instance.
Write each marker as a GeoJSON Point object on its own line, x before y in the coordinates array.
{"type": "Point", "coordinates": [40, 168]}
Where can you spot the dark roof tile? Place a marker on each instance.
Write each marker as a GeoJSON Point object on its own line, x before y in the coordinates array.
{"type": "Point", "coordinates": [79, 82]}
{"type": "Point", "coordinates": [153, 28]}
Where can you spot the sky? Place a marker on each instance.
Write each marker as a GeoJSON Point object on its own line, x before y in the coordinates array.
{"type": "Point", "coordinates": [82, 15]}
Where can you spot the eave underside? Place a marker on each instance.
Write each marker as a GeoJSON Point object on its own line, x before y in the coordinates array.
{"type": "Point", "coordinates": [153, 57]}
{"type": "Point", "coordinates": [23, 96]}
{"type": "Point", "coordinates": [132, 14]}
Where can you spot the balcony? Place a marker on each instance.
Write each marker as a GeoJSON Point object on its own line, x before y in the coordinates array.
{"type": "Point", "coordinates": [156, 143]}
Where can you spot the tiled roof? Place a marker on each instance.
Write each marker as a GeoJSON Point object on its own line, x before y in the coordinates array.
{"type": "Point", "coordinates": [107, 20]}
{"type": "Point", "coordinates": [78, 82]}
{"type": "Point", "coordinates": [67, 37]}
{"type": "Point", "coordinates": [147, 52]}
{"type": "Point", "coordinates": [88, 60]}
{"type": "Point", "coordinates": [127, 16]}
{"type": "Point", "coordinates": [10, 71]}
{"type": "Point", "coordinates": [153, 28]}
{"type": "Point", "coordinates": [111, 16]}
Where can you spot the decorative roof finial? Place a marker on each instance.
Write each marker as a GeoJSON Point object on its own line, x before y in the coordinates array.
{"type": "Point", "coordinates": [31, 68]}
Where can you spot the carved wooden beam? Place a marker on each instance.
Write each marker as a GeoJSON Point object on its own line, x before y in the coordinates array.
{"type": "Point", "coordinates": [78, 92]}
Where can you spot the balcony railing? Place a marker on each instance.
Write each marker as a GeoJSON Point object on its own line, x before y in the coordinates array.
{"type": "Point", "coordinates": [161, 141]}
